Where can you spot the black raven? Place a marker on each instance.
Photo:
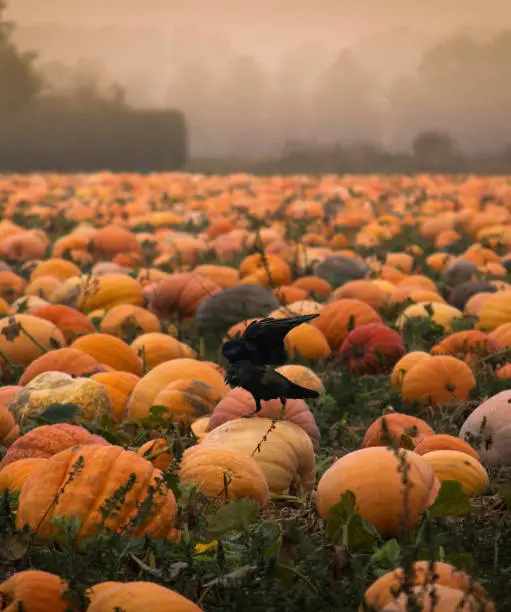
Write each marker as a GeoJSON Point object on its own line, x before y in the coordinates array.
{"type": "Point", "coordinates": [262, 341]}
{"type": "Point", "coordinates": [264, 383]}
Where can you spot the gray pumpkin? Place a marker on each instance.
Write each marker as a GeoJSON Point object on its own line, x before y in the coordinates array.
{"type": "Point", "coordinates": [226, 308]}
{"type": "Point", "coordinates": [459, 271]}
{"type": "Point", "coordinates": [462, 293]}
{"type": "Point", "coordinates": [338, 269]}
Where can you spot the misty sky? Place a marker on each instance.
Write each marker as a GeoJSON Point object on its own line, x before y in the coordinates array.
{"type": "Point", "coordinates": [252, 75]}
{"type": "Point", "coordinates": [267, 26]}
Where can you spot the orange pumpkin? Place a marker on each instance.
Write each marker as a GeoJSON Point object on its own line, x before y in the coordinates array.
{"type": "Point", "coordinates": [124, 319]}
{"type": "Point", "coordinates": [13, 476]}
{"type": "Point", "coordinates": [364, 290]}
{"type": "Point", "coordinates": [315, 286]}
{"type": "Point", "coordinates": [470, 346]}
{"type": "Point", "coordinates": [398, 430]}
{"type": "Point", "coordinates": [34, 590]}
{"type": "Point", "coordinates": [163, 460]}
{"type": "Point", "coordinates": [438, 380]}
{"type": "Point", "coordinates": [113, 240]}
{"type": "Point", "coordinates": [119, 386]}
{"type": "Point", "coordinates": [156, 348]}
{"type": "Point", "coordinates": [445, 442]}
{"type": "Point", "coordinates": [11, 286]}
{"type": "Point", "coordinates": [71, 322]}
{"type": "Point", "coordinates": [404, 365]}
{"type": "Point", "coordinates": [112, 352]}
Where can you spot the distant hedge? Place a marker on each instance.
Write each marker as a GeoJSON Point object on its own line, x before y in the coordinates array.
{"type": "Point", "coordinates": [65, 140]}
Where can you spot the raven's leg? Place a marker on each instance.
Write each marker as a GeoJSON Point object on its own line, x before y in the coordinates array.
{"type": "Point", "coordinates": [283, 402]}
{"type": "Point", "coordinates": [258, 407]}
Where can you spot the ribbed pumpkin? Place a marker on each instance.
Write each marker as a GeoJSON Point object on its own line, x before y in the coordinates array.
{"type": "Point", "coordinates": [13, 476]}
{"type": "Point", "coordinates": [470, 346]}
{"type": "Point", "coordinates": [371, 349]}
{"type": "Point", "coordinates": [445, 442]}
{"type": "Point", "coordinates": [21, 349]}
{"type": "Point", "coordinates": [404, 365]}
{"type": "Point", "coordinates": [110, 351]}
{"type": "Point", "coordinates": [286, 455]}
{"type": "Point", "coordinates": [224, 473]}
{"type": "Point", "coordinates": [67, 360]}
{"type": "Point", "coordinates": [147, 389]}
{"type": "Point", "coordinates": [119, 386]}
{"type": "Point", "coordinates": [99, 471]}
{"type": "Point", "coordinates": [337, 318]}
{"type": "Point", "coordinates": [186, 399]}
{"type": "Point", "coordinates": [439, 598]}
{"type": "Point", "coordinates": [48, 440]}
{"type": "Point", "coordinates": [384, 590]}
{"type": "Point", "coordinates": [438, 380]}
{"type": "Point", "coordinates": [124, 319]}
{"type": "Point", "coordinates": [57, 387]}
{"type": "Point", "coordinates": [137, 597]}
{"type": "Point", "coordinates": [398, 430]}
{"type": "Point", "coordinates": [156, 348]}
{"type": "Point", "coordinates": [153, 447]}
{"type": "Point", "coordinates": [459, 466]}
{"type": "Point", "coordinates": [373, 475]}
{"type": "Point", "coordinates": [240, 403]}
{"type": "Point", "coordinates": [34, 591]}
{"type": "Point", "coordinates": [71, 322]}
{"type": "Point", "coordinates": [442, 314]}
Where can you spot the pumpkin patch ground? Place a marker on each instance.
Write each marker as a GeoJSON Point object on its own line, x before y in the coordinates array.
{"type": "Point", "coordinates": [133, 477]}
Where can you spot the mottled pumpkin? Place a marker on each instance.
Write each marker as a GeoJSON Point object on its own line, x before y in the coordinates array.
{"type": "Point", "coordinates": [110, 351]}
{"type": "Point", "coordinates": [224, 473]}
{"type": "Point", "coordinates": [398, 430]}
{"type": "Point", "coordinates": [156, 348]}
{"type": "Point", "coordinates": [239, 403]}
{"type": "Point", "coordinates": [67, 360]}
{"type": "Point", "coordinates": [438, 380]}
{"type": "Point", "coordinates": [99, 471]}
{"type": "Point", "coordinates": [57, 387]}
{"type": "Point", "coordinates": [34, 591]}
{"type": "Point", "coordinates": [373, 475]}
{"type": "Point", "coordinates": [48, 440]}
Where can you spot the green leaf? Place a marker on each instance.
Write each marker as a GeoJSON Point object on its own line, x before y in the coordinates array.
{"type": "Point", "coordinates": [361, 534]}
{"type": "Point", "coordinates": [451, 501]}
{"type": "Point", "coordinates": [389, 553]}
{"type": "Point", "coordinates": [57, 413]}
{"type": "Point", "coordinates": [234, 516]}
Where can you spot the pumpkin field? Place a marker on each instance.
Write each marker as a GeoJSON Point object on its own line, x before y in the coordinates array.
{"type": "Point", "coordinates": [133, 478]}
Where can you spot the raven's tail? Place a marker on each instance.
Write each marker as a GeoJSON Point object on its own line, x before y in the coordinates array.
{"type": "Point", "coordinates": [295, 391]}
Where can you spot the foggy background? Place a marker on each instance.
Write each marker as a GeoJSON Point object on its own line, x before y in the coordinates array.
{"type": "Point", "coordinates": [253, 76]}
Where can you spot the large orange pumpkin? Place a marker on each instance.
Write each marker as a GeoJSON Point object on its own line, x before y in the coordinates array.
{"type": "Point", "coordinates": [22, 348]}
{"type": "Point", "coordinates": [68, 360]}
{"type": "Point", "coordinates": [98, 472]}
{"type": "Point", "coordinates": [110, 351]}
{"type": "Point", "coordinates": [71, 322]}
{"type": "Point", "coordinates": [34, 591]}
{"type": "Point", "coordinates": [396, 429]}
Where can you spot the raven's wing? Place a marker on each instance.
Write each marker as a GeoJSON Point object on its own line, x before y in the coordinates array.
{"type": "Point", "coordinates": [267, 333]}
{"type": "Point", "coordinates": [283, 387]}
